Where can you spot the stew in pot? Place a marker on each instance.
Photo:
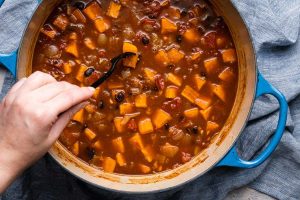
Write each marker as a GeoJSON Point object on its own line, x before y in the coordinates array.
{"type": "Point", "coordinates": [162, 106]}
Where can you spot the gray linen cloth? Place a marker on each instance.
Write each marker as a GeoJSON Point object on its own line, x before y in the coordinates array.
{"type": "Point", "coordinates": [275, 27]}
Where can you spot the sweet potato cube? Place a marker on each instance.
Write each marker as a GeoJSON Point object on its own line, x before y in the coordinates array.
{"type": "Point", "coordinates": [72, 49]}
{"type": "Point", "coordinates": [157, 166]}
{"type": "Point", "coordinates": [174, 79]}
{"type": "Point", "coordinates": [79, 16]}
{"type": "Point", "coordinates": [97, 145]}
{"type": "Point", "coordinates": [161, 159]}
{"type": "Point", "coordinates": [120, 159]}
{"type": "Point", "coordinates": [206, 113]}
{"type": "Point", "coordinates": [113, 9]}
{"type": "Point", "coordinates": [160, 118]}
{"type": "Point", "coordinates": [226, 75]}
{"type": "Point", "coordinates": [97, 92]}
{"type": "Point", "coordinates": [132, 60]}
{"type": "Point", "coordinates": [144, 168]}
{"type": "Point", "coordinates": [78, 117]}
{"type": "Point", "coordinates": [80, 74]}
{"type": "Point", "coordinates": [168, 26]}
{"type": "Point", "coordinates": [197, 150]}
{"type": "Point", "coordinates": [117, 122]}
{"type": "Point", "coordinates": [67, 67]}
{"type": "Point", "coordinates": [203, 101]}
{"type": "Point", "coordinates": [141, 101]}
{"type": "Point", "coordinates": [228, 55]}
{"type": "Point", "coordinates": [89, 43]}
{"type": "Point", "coordinates": [191, 36]}
{"type": "Point", "coordinates": [175, 55]}
{"type": "Point", "coordinates": [102, 25]}
{"type": "Point", "coordinates": [173, 12]}
{"type": "Point", "coordinates": [171, 92]}
{"type": "Point", "coordinates": [49, 31]}
{"type": "Point", "coordinates": [109, 164]}
{"type": "Point", "coordinates": [220, 92]}
{"type": "Point", "coordinates": [199, 81]}
{"type": "Point", "coordinates": [169, 150]}
{"type": "Point", "coordinates": [90, 108]}
{"type": "Point", "coordinates": [212, 126]}
{"type": "Point", "coordinates": [118, 144]}
{"type": "Point", "coordinates": [145, 126]}
{"type": "Point", "coordinates": [93, 10]}
{"type": "Point", "coordinates": [114, 85]}
{"type": "Point", "coordinates": [162, 57]}
{"type": "Point", "coordinates": [90, 135]}
{"type": "Point", "coordinates": [75, 148]}
{"type": "Point", "coordinates": [191, 113]}
{"type": "Point", "coordinates": [136, 141]}
{"type": "Point", "coordinates": [61, 22]}
{"type": "Point", "coordinates": [73, 36]}
{"type": "Point", "coordinates": [211, 64]}
{"type": "Point", "coordinates": [148, 153]}
{"type": "Point", "coordinates": [126, 108]}
{"type": "Point", "coordinates": [190, 94]}
{"type": "Point", "coordinates": [150, 73]}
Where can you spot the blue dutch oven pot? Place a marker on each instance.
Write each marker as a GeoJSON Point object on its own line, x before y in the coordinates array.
{"type": "Point", "coordinates": [222, 151]}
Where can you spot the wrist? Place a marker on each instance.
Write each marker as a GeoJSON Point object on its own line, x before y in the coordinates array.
{"type": "Point", "coordinates": [9, 170]}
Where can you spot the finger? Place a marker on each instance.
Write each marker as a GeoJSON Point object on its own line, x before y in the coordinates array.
{"type": "Point", "coordinates": [62, 122]}
{"type": "Point", "coordinates": [51, 90]}
{"type": "Point", "coordinates": [68, 99]}
{"type": "Point", "coordinates": [17, 86]}
{"type": "Point", "coordinates": [36, 80]}
{"type": "Point", "coordinates": [11, 95]}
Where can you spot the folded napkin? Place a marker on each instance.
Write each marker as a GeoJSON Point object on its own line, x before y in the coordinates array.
{"type": "Point", "coordinates": [274, 26]}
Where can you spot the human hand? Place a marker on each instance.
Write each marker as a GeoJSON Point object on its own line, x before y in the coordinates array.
{"type": "Point", "coordinates": [32, 116]}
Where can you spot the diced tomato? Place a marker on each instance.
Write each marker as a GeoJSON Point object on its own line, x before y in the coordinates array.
{"type": "Point", "coordinates": [174, 104]}
{"type": "Point", "coordinates": [209, 40]}
{"type": "Point", "coordinates": [132, 125]}
{"type": "Point", "coordinates": [159, 81]}
{"type": "Point", "coordinates": [185, 157]}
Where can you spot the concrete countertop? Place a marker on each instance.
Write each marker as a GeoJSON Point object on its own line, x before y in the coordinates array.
{"type": "Point", "coordinates": [243, 193]}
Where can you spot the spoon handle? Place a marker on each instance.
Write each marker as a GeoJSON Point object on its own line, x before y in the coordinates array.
{"type": "Point", "coordinates": [114, 63]}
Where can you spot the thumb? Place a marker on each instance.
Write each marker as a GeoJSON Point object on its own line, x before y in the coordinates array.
{"type": "Point", "coordinates": [62, 122]}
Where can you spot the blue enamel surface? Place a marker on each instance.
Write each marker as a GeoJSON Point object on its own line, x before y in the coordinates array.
{"type": "Point", "coordinates": [232, 158]}
{"type": "Point", "coordinates": [10, 61]}
{"type": "Point", "coordinates": [1, 2]}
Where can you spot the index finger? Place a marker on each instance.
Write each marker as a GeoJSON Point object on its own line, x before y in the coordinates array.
{"type": "Point", "coordinates": [36, 80]}
{"type": "Point", "coordinates": [68, 99]}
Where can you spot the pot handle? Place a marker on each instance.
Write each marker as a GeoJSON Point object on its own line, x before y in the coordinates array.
{"type": "Point", "coordinates": [232, 158]}
{"type": "Point", "coordinates": [9, 61]}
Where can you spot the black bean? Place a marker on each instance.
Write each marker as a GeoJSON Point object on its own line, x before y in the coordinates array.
{"type": "Point", "coordinates": [171, 66]}
{"type": "Point", "coordinates": [167, 126]}
{"type": "Point", "coordinates": [203, 74]}
{"type": "Point", "coordinates": [195, 129]}
{"type": "Point", "coordinates": [89, 72]}
{"type": "Point", "coordinates": [120, 97]}
{"type": "Point", "coordinates": [85, 125]}
{"type": "Point", "coordinates": [181, 118]}
{"type": "Point", "coordinates": [152, 16]}
{"type": "Point", "coordinates": [179, 39]}
{"type": "Point", "coordinates": [145, 40]}
{"type": "Point", "coordinates": [183, 13]}
{"type": "Point", "coordinates": [101, 104]}
{"type": "Point", "coordinates": [90, 153]}
{"type": "Point", "coordinates": [79, 4]}
{"type": "Point", "coordinates": [155, 89]}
